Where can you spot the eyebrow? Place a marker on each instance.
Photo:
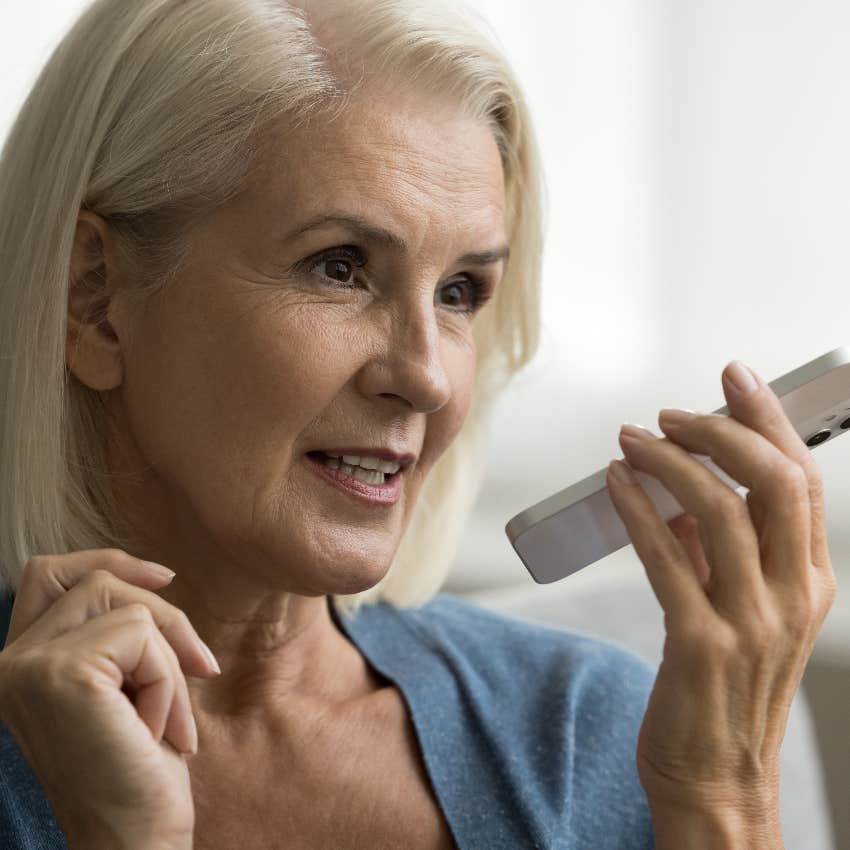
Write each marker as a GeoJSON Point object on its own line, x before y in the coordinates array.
{"type": "Point", "coordinates": [382, 236]}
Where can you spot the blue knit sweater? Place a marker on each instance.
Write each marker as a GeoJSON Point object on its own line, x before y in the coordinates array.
{"type": "Point", "coordinates": [528, 733]}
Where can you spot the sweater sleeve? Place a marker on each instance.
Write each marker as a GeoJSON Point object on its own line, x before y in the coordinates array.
{"type": "Point", "coordinates": [26, 818]}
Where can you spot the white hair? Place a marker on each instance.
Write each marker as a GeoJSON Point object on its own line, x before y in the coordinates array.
{"type": "Point", "coordinates": [151, 114]}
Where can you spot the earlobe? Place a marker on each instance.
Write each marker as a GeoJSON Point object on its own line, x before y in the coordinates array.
{"type": "Point", "coordinates": [93, 353]}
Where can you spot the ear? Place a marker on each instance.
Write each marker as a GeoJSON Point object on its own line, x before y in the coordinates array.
{"type": "Point", "coordinates": [92, 347]}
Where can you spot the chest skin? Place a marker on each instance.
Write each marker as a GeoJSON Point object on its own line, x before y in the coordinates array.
{"type": "Point", "coordinates": [361, 785]}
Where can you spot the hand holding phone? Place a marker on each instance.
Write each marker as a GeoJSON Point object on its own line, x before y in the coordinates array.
{"type": "Point", "coordinates": [579, 525]}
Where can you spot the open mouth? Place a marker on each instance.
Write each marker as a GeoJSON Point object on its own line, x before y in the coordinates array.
{"type": "Point", "coordinates": [372, 477]}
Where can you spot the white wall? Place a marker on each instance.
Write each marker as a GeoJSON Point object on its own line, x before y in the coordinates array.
{"type": "Point", "coordinates": [699, 183]}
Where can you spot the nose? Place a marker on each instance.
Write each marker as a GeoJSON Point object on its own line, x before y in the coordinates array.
{"type": "Point", "coordinates": [412, 365]}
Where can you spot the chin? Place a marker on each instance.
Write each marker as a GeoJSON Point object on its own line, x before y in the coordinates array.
{"type": "Point", "coordinates": [353, 579]}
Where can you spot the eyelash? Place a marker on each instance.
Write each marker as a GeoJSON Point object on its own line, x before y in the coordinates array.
{"type": "Point", "coordinates": [480, 289]}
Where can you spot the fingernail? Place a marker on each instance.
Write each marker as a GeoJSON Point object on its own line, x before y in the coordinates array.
{"type": "Point", "coordinates": [194, 726]}
{"type": "Point", "coordinates": [210, 656]}
{"type": "Point", "coordinates": [621, 472]}
{"type": "Point", "coordinates": [742, 377]}
{"type": "Point", "coordinates": [674, 416]}
{"type": "Point", "coordinates": [639, 432]}
{"type": "Point", "coordinates": [159, 570]}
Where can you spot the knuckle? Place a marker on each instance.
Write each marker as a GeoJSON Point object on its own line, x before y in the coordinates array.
{"type": "Point", "coordinates": [714, 424]}
{"type": "Point", "coordinates": [728, 506]}
{"type": "Point", "coordinates": [804, 613]}
{"type": "Point", "coordinates": [830, 591]}
{"type": "Point", "coordinates": [37, 563]}
{"type": "Point", "coordinates": [178, 624]}
{"type": "Point", "coordinates": [99, 584]}
{"type": "Point", "coordinates": [139, 612]}
{"type": "Point", "coordinates": [760, 633]}
{"type": "Point", "coordinates": [792, 479]}
{"type": "Point", "coordinates": [100, 578]}
{"type": "Point", "coordinates": [718, 648]}
{"type": "Point", "coordinates": [182, 620]}
{"type": "Point", "coordinates": [107, 557]}
{"type": "Point", "coordinates": [36, 568]}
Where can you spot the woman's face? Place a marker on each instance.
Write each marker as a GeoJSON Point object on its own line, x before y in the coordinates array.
{"type": "Point", "coordinates": [278, 340]}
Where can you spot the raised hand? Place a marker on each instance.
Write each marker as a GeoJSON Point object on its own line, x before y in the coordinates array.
{"type": "Point", "coordinates": [745, 585]}
{"type": "Point", "coordinates": [92, 675]}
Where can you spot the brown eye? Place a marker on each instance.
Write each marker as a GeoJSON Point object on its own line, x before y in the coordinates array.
{"type": "Point", "coordinates": [339, 270]}
{"type": "Point", "coordinates": [478, 294]}
{"type": "Point", "coordinates": [337, 265]}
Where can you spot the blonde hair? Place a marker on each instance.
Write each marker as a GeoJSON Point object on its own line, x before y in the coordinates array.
{"type": "Point", "coordinates": [151, 114]}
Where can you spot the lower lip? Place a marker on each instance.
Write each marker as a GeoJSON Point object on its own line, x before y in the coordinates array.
{"type": "Point", "coordinates": [387, 493]}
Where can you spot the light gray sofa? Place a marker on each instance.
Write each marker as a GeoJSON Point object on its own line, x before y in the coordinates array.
{"type": "Point", "coordinates": [627, 611]}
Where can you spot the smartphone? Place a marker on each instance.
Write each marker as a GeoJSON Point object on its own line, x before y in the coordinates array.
{"type": "Point", "coordinates": [579, 525]}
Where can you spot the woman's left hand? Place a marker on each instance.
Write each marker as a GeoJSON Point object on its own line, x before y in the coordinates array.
{"type": "Point", "coordinates": [745, 586]}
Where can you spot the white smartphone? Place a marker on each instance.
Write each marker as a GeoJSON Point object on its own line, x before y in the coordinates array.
{"type": "Point", "coordinates": [579, 525]}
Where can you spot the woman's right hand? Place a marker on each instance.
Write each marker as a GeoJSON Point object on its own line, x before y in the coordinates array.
{"type": "Point", "coordinates": [92, 688]}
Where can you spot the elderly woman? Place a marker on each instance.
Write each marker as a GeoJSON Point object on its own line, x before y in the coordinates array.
{"type": "Point", "coordinates": [289, 255]}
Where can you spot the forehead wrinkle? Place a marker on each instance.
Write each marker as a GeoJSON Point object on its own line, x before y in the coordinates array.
{"type": "Point", "coordinates": [417, 160]}
{"type": "Point", "coordinates": [412, 184]}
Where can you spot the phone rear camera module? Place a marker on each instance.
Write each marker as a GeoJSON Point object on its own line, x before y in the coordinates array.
{"type": "Point", "coordinates": [820, 437]}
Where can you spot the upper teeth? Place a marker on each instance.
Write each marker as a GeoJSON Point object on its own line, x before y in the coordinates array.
{"type": "Point", "coordinates": [386, 466]}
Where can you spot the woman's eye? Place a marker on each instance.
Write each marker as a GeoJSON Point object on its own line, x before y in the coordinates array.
{"type": "Point", "coordinates": [338, 265]}
{"type": "Point", "coordinates": [478, 293]}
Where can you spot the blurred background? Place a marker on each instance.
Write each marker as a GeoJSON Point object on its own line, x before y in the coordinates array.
{"type": "Point", "coordinates": [699, 182]}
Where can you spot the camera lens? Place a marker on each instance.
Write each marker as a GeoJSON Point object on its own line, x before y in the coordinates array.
{"type": "Point", "coordinates": [845, 424]}
{"type": "Point", "coordinates": [818, 438]}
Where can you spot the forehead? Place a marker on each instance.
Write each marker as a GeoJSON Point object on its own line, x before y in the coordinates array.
{"type": "Point", "coordinates": [407, 159]}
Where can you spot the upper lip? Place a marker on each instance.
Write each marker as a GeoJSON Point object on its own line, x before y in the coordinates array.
{"type": "Point", "coordinates": [403, 459]}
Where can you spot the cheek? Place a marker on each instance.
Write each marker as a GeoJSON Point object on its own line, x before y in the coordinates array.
{"type": "Point", "coordinates": [464, 385]}
{"type": "Point", "coordinates": [215, 404]}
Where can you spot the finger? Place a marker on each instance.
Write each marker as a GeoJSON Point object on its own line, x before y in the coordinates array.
{"type": "Point", "coordinates": [48, 577]}
{"type": "Point", "coordinates": [687, 531]}
{"type": "Point", "coordinates": [179, 727]}
{"type": "Point", "coordinates": [670, 574]}
{"type": "Point", "coordinates": [732, 554]}
{"type": "Point", "coordinates": [762, 411]}
{"type": "Point", "coordinates": [99, 592]}
{"type": "Point", "coordinates": [778, 490]}
{"type": "Point", "coordinates": [154, 685]}
{"type": "Point", "coordinates": [124, 646]}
